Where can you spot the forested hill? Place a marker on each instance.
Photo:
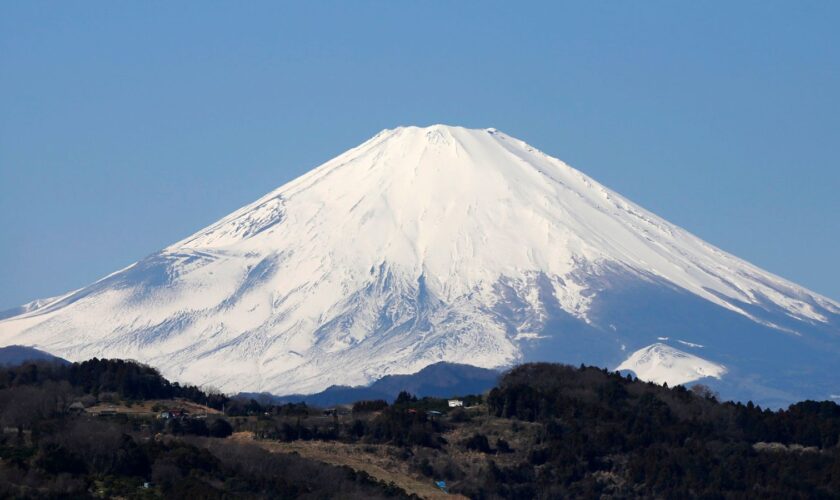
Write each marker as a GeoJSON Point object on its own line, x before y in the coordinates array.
{"type": "Point", "coordinates": [125, 379]}
{"type": "Point", "coordinates": [600, 433]}
{"type": "Point", "coordinates": [117, 429]}
{"type": "Point", "coordinates": [545, 431]}
{"type": "Point", "coordinates": [554, 431]}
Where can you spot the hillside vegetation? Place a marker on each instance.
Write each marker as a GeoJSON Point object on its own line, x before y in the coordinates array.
{"type": "Point", "coordinates": [57, 442]}
{"type": "Point", "coordinates": [546, 431]}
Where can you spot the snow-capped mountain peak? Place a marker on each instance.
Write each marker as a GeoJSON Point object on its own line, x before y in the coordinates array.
{"type": "Point", "coordinates": [661, 363]}
{"type": "Point", "coordinates": [422, 244]}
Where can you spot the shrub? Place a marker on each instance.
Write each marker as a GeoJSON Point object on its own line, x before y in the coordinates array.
{"type": "Point", "coordinates": [478, 442]}
{"type": "Point", "coordinates": [220, 428]}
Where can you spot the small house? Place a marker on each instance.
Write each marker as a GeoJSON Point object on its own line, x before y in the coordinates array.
{"type": "Point", "coordinates": [455, 403]}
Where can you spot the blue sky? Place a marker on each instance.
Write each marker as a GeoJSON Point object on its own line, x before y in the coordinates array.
{"type": "Point", "coordinates": [127, 126]}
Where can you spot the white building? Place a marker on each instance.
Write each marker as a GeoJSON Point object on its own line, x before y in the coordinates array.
{"type": "Point", "coordinates": [454, 403]}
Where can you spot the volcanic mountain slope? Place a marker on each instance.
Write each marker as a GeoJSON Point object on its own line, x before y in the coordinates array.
{"type": "Point", "coordinates": [443, 244]}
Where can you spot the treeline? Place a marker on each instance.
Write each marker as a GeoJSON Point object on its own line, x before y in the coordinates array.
{"type": "Point", "coordinates": [648, 412]}
{"type": "Point", "coordinates": [95, 458]}
{"type": "Point", "coordinates": [47, 451]}
{"type": "Point", "coordinates": [128, 380]}
{"type": "Point", "coordinates": [601, 433]}
{"type": "Point", "coordinates": [405, 423]}
{"type": "Point", "coordinates": [586, 432]}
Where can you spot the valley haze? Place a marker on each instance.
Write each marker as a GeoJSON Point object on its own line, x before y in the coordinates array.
{"type": "Point", "coordinates": [441, 243]}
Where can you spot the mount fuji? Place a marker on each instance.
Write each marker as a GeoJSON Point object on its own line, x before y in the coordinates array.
{"type": "Point", "coordinates": [442, 243]}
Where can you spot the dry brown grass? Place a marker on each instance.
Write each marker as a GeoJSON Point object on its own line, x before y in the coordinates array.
{"type": "Point", "coordinates": [519, 435]}
{"type": "Point", "coordinates": [144, 408]}
{"type": "Point", "coordinates": [376, 460]}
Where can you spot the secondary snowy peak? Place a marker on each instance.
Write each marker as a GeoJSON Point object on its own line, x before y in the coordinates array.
{"type": "Point", "coordinates": [424, 245]}
{"type": "Point", "coordinates": [661, 363]}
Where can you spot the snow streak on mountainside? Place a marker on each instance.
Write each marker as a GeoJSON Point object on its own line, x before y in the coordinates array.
{"type": "Point", "coordinates": [433, 244]}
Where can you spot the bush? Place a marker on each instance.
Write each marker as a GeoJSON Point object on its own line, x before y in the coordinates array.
{"type": "Point", "coordinates": [459, 415]}
{"type": "Point", "coordinates": [220, 428]}
{"type": "Point", "coordinates": [478, 442]}
{"type": "Point", "coordinates": [503, 446]}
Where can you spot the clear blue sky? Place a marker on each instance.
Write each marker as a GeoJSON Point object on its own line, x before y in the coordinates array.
{"type": "Point", "coordinates": [127, 126]}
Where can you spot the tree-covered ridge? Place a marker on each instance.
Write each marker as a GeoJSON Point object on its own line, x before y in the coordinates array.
{"type": "Point", "coordinates": [50, 447]}
{"type": "Point", "coordinates": [555, 431]}
{"type": "Point", "coordinates": [654, 441]}
{"type": "Point", "coordinates": [631, 409]}
{"type": "Point", "coordinates": [126, 379]}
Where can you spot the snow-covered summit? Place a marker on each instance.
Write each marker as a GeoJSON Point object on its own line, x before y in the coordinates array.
{"type": "Point", "coordinates": [661, 363]}
{"type": "Point", "coordinates": [422, 244]}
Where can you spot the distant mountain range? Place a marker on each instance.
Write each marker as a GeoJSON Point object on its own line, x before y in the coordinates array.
{"type": "Point", "coordinates": [17, 354]}
{"type": "Point", "coordinates": [440, 380]}
{"type": "Point", "coordinates": [442, 243]}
